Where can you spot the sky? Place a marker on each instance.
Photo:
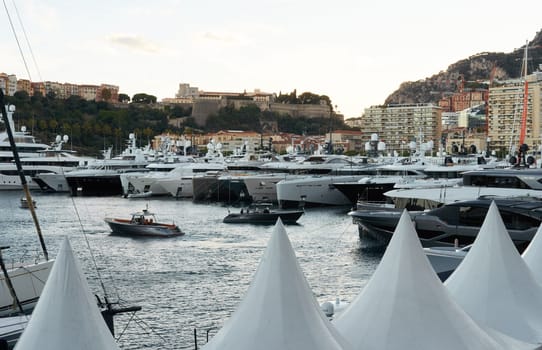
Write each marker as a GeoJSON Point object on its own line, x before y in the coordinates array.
{"type": "Point", "coordinates": [357, 52]}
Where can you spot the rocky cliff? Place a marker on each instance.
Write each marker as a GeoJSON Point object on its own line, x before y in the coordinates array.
{"type": "Point", "coordinates": [471, 72]}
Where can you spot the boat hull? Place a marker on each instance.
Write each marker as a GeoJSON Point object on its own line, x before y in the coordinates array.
{"type": "Point", "coordinates": [28, 282]}
{"type": "Point", "coordinates": [105, 185]}
{"type": "Point", "coordinates": [288, 217]}
{"type": "Point", "coordinates": [126, 227]}
{"type": "Point", "coordinates": [444, 260]}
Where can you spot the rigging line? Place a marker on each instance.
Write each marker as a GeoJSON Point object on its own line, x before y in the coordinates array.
{"type": "Point", "coordinates": [90, 250]}
{"type": "Point", "coordinates": [140, 321]}
{"type": "Point", "coordinates": [27, 41]}
{"type": "Point", "coordinates": [17, 40]}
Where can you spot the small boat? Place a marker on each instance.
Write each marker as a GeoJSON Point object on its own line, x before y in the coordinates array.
{"type": "Point", "coordinates": [24, 203]}
{"type": "Point", "coordinates": [143, 223]}
{"type": "Point", "coordinates": [263, 214]}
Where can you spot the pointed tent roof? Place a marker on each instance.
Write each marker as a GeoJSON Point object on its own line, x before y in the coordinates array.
{"type": "Point", "coordinates": [405, 306]}
{"type": "Point", "coordinates": [494, 285]}
{"type": "Point", "coordinates": [278, 310]}
{"type": "Point", "coordinates": [533, 255]}
{"type": "Point", "coordinates": [66, 316]}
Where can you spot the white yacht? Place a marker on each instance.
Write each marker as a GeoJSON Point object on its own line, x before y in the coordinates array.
{"type": "Point", "coordinates": [53, 160]}
{"type": "Point", "coordinates": [263, 187]}
{"type": "Point", "coordinates": [26, 144]}
{"type": "Point", "coordinates": [312, 190]}
{"type": "Point", "coordinates": [137, 183]}
{"type": "Point", "coordinates": [315, 164]}
{"type": "Point", "coordinates": [179, 181]}
{"type": "Point", "coordinates": [102, 176]}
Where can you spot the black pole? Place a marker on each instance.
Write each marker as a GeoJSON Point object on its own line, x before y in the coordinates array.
{"type": "Point", "coordinates": [21, 174]}
{"type": "Point", "coordinates": [8, 281]}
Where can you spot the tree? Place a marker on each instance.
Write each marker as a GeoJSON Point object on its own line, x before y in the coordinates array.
{"type": "Point", "coordinates": [21, 97]}
{"type": "Point", "coordinates": [143, 98]}
{"type": "Point", "coordinates": [123, 98]}
{"type": "Point", "coordinates": [308, 98]}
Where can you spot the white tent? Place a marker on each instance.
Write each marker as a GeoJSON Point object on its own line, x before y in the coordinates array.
{"type": "Point", "coordinates": [278, 310]}
{"type": "Point", "coordinates": [533, 255]}
{"type": "Point", "coordinates": [66, 316]}
{"type": "Point", "coordinates": [405, 306]}
{"type": "Point", "coordinates": [495, 286]}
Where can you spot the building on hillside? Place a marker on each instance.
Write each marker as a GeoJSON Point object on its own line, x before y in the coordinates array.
{"type": "Point", "coordinates": [321, 110]}
{"type": "Point", "coordinates": [397, 125]}
{"type": "Point", "coordinates": [108, 93]}
{"type": "Point", "coordinates": [24, 85]}
{"type": "Point", "coordinates": [38, 88]}
{"type": "Point", "coordinates": [177, 101]}
{"type": "Point", "coordinates": [71, 90]}
{"type": "Point", "coordinates": [506, 111]}
{"type": "Point", "coordinates": [236, 141]}
{"type": "Point", "coordinates": [8, 83]}
{"type": "Point", "coordinates": [354, 122]}
{"type": "Point", "coordinates": [347, 140]}
{"type": "Point", "coordinates": [88, 92]}
{"type": "Point", "coordinates": [208, 103]}
{"type": "Point", "coordinates": [187, 92]}
{"type": "Point", "coordinates": [463, 99]}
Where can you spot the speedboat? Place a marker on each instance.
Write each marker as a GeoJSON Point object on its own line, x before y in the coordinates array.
{"type": "Point", "coordinates": [455, 223]}
{"type": "Point", "coordinates": [143, 223]}
{"type": "Point", "coordinates": [263, 215]}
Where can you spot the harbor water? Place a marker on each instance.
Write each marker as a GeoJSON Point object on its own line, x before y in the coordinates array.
{"type": "Point", "coordinates": [186, 283]}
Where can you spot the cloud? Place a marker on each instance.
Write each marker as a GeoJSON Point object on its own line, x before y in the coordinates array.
{"type": "Point", "coordinates": [220, 38]}
{"type": "Point", "coordinates": [134, 43]}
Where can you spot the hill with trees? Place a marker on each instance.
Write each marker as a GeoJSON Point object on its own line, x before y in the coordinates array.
{"type": "Point", "coordinates": [93, 126]}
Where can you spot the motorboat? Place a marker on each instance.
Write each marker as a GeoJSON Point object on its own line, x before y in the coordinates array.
{"type": "Point", "coordinates": [143, 223]}
{"type": "Point", "coordinates": [455, 223]}
{"type": "Point", "coordinates": [445, 259]}
{"type": "Point", "coordinates": [263, 214]}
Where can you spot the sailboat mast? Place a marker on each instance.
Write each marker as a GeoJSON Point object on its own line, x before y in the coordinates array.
{"type": "Point", "coordinates": [21, 174]}
{"type": "Point", "coordinates": [525, 99]}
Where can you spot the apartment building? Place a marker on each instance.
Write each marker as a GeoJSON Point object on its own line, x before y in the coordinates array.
{"type": "Point", "coordinates": [463, 99]}
{"type": "Point", "coordinates": [397, 125]}
{"type": "Point", "coordinates": [506, 112]}
{"type": "Point", "coordinates": [24, 85]}
{"type": "Point", "coordinates": [8, 83]}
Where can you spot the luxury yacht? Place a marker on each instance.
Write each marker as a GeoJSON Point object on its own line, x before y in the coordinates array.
{"type": "Point", "coordinates": [495, 183]}
{"type": "Point", "coordinates": [455, 223]}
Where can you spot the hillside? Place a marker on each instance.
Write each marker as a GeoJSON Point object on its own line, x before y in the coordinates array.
{"type": "Point", "coordinates": [474, 71]}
